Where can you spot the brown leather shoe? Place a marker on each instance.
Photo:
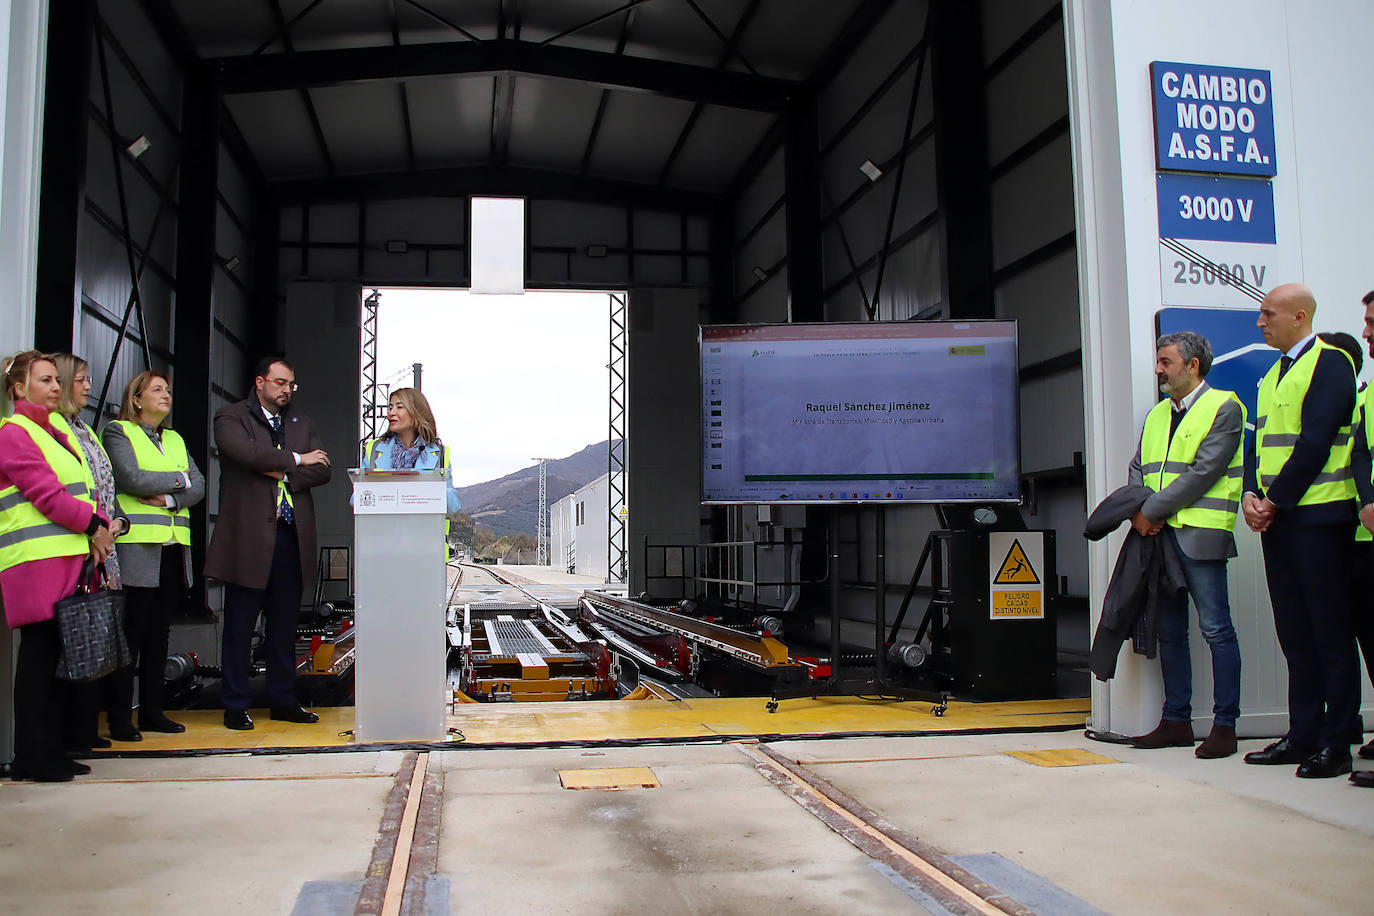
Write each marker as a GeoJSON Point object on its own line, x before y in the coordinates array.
{"type": "Point", "coordinates": [1167, 733]}
{"type": "Point", "coordinates": [1220, 742]}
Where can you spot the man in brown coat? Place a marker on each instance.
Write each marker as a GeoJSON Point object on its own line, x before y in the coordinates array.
{"type": "Point", "coordinates": [263, 547]}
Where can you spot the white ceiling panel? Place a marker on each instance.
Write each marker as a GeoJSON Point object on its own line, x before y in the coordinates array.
{"type": "Point", "coordinates": [363, 125]}
{"type": "Point", "coordinates": [717, 147]}
{"type": "Point", "coordinates": [278, 131]}
{"type": "Point", "coordinates": [550, 122]}
{"type": "Point", "coordinates": [637, 134]}
{"type": "Point", "coordinates": [450, 119]}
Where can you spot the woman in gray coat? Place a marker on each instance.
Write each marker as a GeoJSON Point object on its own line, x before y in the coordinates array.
{"type": "Point", "coordinates": [157, 482]}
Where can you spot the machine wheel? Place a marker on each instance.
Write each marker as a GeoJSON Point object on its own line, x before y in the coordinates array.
{"type": "Point", "coordinates": [771, 706]}
{"type": "Point", "coordinates": [939, 711]}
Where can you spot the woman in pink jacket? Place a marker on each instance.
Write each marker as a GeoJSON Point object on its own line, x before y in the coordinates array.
{"type": "Point", "coordinates": [48, 526]}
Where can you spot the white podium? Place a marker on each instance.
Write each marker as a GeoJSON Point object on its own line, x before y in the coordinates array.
{"type": "Point", "coordinates": [400, 582]}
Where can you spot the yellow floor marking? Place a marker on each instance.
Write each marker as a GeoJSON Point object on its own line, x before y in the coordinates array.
{"type": "Point", "coordinates": [930, 871]}
{"type": "Point", "coordinates": [610, 778]}
{"type": "Point", "coordinates": [400, 861]}
{"type": "Point", "coordinates": [205, 729]}
{"type": "Point", "coordinates": [1062, 757]}
{"type": "Point", "coordinates": [587, 720]}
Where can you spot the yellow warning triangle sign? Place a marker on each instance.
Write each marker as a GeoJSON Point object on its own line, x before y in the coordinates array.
{"type": "Point", "coordinates": [1016, 569]}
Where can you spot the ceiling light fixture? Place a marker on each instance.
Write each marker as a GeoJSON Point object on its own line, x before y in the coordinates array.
{"type": "Point", "coordinates": [232, 262]}
{"type": "Point", "coordinates": [596, 251]}
{"type": "Point", "coordinates": [397, 246]}
{"type": "Point", "coordinates": [871, 170]}
{"type": "Point", "coordinates": [138, 147]}
{"type": "Point", "coordinates": [760, 273]}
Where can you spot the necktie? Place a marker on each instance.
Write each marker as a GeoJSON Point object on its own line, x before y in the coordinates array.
{"type": "Point", "coordinates": [284, 510]}
{"type": "Point", "coordinates": [1285, 363]}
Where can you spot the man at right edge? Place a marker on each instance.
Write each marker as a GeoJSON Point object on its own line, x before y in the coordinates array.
{"type": "Point", "coordinates": [1362, 570]}
{"type": "Point", "coordinates": [1300, 495]}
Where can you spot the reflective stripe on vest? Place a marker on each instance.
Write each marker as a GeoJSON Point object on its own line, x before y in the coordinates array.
{"type": "Point", "coordinates": [27, 534]}
{"type": "Point", "coordinates": [1163, 459]}
{"type": "Point", "coordinates": [155, 524]}
{"type": "Point", "coordinates": [1279, 422]}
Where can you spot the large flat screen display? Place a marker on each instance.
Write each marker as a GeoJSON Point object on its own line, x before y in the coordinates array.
{"type": "Point", "coordinates": [902, 411]}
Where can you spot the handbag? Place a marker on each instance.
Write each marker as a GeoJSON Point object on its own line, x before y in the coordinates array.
{"type": "Point", "coordinates": [91, 624]}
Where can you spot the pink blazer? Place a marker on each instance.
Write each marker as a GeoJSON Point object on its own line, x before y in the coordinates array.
{"type": "Point", "coordinates": [29, 590]}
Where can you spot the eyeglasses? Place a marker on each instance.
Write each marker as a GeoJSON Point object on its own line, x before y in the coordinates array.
{"type": "Point", "coordinates": [284, 383]}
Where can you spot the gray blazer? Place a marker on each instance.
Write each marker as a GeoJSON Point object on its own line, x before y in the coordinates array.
{"type": "Point", "coordinates": [1213, 457]}
{"type": "Point", "coordinates": [141, 564]}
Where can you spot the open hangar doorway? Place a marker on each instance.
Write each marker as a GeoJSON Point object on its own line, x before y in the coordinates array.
{"type": "Point", "coordinates": [767, 161]}
{"type": "Point", "coordinates": [798, 236]}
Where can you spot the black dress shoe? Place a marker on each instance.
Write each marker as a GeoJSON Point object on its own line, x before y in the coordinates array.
{"type": "Point", "coordinates": [1367, 752]}
{"type": "Point", "coordinates": [1278, 753]}
{"type": "Point", "coordinates": [125, 733]}
{"type": "Point", "coordinates": [53, 772]}
{"type": "Point", "coordinates": [1362, 778]}
{"type": "Point", "coordinates": [1327, 762]}
{"type": "Point", "coordinates": [238, 720]}
{"type": "Point", "coordinates": [294, 714]}
{"type": "Point", "coordinates": [157, 722]}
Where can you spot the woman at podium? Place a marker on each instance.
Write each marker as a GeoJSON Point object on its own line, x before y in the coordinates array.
{"type": "Point", "coordinates": [411, 442]}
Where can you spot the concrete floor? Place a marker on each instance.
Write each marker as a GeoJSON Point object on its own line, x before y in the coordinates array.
{"type": "Point", "coordinates": [1158, 832]}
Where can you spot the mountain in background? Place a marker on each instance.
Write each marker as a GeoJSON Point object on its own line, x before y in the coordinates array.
{"type": "Point", "coordinates": [510, 504]}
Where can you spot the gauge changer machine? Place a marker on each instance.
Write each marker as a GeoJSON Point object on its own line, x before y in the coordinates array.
{"type": "Point", "coordinates": [400, 575]}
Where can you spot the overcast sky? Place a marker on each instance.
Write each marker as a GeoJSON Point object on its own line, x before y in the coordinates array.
{"type": "Point", "coordinates": [510, 378]}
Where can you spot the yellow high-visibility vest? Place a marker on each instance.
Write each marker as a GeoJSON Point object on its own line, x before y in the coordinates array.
{"type": "Point", "coordinates": [155, 524]}
{"type": "Point", "coordinates": [27, 534]}
{"type": "Point", "coordinates": [1163, 459]}
{"type": "Point", "coordinates": [372, 450]}
{"type": "Point", "coordinates": [59, 423]}
{"type": "Point", "coordinates": [1361, 417]}
{"type": "Point", "coordinates": [1278, 422]}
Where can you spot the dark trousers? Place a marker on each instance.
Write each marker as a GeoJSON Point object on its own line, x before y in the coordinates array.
{"type": "Point", "coordinates": [280, 602]}
{"type": "Point", "coordinates": [147, 622]}
{"type": "Point", "coordinates": [1307, 570]}
{"type": "Point", "coordinates": [1362, 600]}
{"type": "Point", "coordinates": [36, 727]}
{"type": "Point", "coordinates": [80, 710]}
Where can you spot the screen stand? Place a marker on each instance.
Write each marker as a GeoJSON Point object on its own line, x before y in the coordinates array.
{"type": "Point", "coordinates": [864, 683]}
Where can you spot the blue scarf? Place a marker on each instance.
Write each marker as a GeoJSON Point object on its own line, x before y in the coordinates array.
{"type": "Point", "coordinates": [402, 458]}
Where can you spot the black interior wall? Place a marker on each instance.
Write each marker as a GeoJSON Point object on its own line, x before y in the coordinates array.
{"type": "Point", "coordinates": [964, 109]}
{"type": "Point", "coordinates": [147, 261]}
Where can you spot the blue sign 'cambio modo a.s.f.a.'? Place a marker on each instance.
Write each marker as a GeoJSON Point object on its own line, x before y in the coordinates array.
{"type": "Point", "coordinates": [1213, 119]}
{"type": "Point", "coordinates": [1215, 209]}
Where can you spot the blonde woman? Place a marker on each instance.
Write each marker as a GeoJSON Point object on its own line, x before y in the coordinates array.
{"type": "Point", "coordinates": [80, 721]}
{"type": "Point", "coordinates": [49, 524]}
{"type": "Point", "coordinates": [157, 482]}
{"type": "Point", "coordinates": [411, 441]}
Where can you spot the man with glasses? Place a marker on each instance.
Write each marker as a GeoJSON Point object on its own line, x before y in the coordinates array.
{"type": "Point", "coordinates": [263, 547]}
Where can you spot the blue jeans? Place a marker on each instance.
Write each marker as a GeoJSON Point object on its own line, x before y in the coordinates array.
{"type": "Point", "coordinates": [1207, 585]}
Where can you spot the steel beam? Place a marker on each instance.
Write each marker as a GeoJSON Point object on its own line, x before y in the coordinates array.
{"type": "Point", "coordinates": [495, 181]}
{"type": "Point", "coordinates": [304, 69]}
{"type": "Point", "coordinates": [62, 181]}
{"type": "Point", "coordinates": [961, 157]}
{"type": "Point", "coordinates": [195, 272]}
{"type": "Point", "coordinates": [800, 154]}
